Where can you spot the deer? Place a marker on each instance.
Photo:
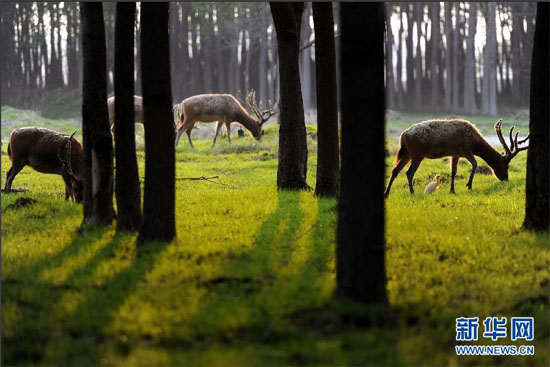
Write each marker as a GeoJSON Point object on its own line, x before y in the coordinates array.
{"type": "Point", "coordinates": [223, 109]}
{"type": "Point", "coordinates": [138, 111]}
{"type": "Point", "coordinates": [455, 138]}
{"type": "Point", "coordinates": [46, 151]}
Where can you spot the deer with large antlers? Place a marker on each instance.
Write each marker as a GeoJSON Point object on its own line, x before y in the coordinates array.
{"type": "Point", "coordinates": [46, 151]}
{"type": "Point", "coordinates": [457, 139]}
{"type": "Point", "coordinates": [223, 109]}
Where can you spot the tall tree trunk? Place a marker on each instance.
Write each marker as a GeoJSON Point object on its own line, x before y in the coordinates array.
{"type": "Point", "coordinates": [517, 25]}
{"type": "Point", "coordinates": [448, 54]}
{"type": "Point", "coordinates": [128, 192]}
{"type": "Point", "coordinates": [327, 104]}
{"type": "Point", "coordinates": [489, 89]}
{"type": "Point", "coordinates": [436, 52]}
{"type": "Point", "coordinates": [292, 167]}
{"type": "Point", "coordinates": [538, 161]}
{"type": "Point", "coordinates": [419, 14]}
{"type": "Point", "coordinates": [457, 62]}
{"type": "Point", "coordinates": [399, 74]}
{"type": "Point", "coordinates": [360, 269]}
{"type": "Point", "coordinates": [390, 84]}
{"type": "Point", "coordinates": [160, 166]}
{"type": "Point", "coordinates": [470, 106]}
{"type": "Point", "coordinates": [98, 146]}
{"type": "Point", "coordinates": [410, 59]}
{"type": "Point", "coordinates": [305, 60]}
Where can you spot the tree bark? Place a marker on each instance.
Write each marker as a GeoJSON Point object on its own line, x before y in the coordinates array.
{"type": "Point", "coordinates": [360, 269]}
{"type": "Point", "coordinates": [327, 104]}
{"type": "Point", "coordinates": [97, 140]}
{"type": "Point", "coordinates": [292, 167]}
{"type": "Point", "coordinates": [128, 191]}
{"type": "Point", "coordinates": [538, 162]}
{"type": "Point", "coordinates": [159, 191]}
{"type": "Point", "coordinates": [448, 54]}
{"type": "Point", "coordinates": [390, 83]}
{"type": "Point", "coordinates": [489, 87]}
{"type": "Point", "coordinates": [435, 52]}
{"type": "Point", "coordinates": [419, 13]}
{"type": "Point", "coordinates": [470, 106]}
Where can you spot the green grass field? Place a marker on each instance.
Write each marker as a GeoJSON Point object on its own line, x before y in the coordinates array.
{"type": "Point", "coordinates": [250, 278]}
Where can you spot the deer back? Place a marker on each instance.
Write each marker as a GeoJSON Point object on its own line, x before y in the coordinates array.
{"type": "Point", "coordinates": [40, 149]}
{"type": "Point", "coordinates": [440, 138]}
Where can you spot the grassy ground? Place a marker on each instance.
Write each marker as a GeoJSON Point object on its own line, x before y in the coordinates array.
{"type": "Point", "coordinates": [250, 278]}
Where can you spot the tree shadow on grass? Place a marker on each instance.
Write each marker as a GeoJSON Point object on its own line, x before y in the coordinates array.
{"type": "Point", "coordinates": [86, 332]}
{"type": "Point", "coordinates": [25, 330]}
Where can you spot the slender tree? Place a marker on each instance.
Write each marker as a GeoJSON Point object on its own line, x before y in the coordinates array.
{"type": "Point", "coordinates": [538, 162]}
{"type": "Point", "coordinates": [435, 65]}
{"type": "Point", "coordinates": [97, 140]}
{"type": "Point", "coordinates": [469, 69]}
{"type": "Point", "coordinates": [128, 192]}
{"type": "Point", "coordinates": [292, 167]}
{"type": "Point", "coordinates": [489, 82]}
{"type": "Point", "coordinates": [360, 270]}
{"type": "Point", "coordinates": [327, 105]}
{"type": "Point", "coordinates": [159, 191]}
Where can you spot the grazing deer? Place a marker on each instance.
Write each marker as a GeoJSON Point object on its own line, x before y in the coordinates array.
{"type": "Point", "coordinates": [223, 108]}
{"type": "Point", "coordinates": [138, 111]}
{"type": "Point", "coordinates": [46, 151]}
{"type": "Point", "coordinates": [455, 138]}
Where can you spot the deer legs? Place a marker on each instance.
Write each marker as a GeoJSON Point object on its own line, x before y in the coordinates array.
{"type": "Point", "coordinates": [218, 128]}
{"type": "Point", "coordinates": [411, 171]}
{"type": "Point", "coordinates": [400, 165]}
{"type": "Point", "coordinates": [12, 172]}
{"type": "Point", "coordinates": [454, 163]}
{"type": "Point", "coordinates": [473, 162]}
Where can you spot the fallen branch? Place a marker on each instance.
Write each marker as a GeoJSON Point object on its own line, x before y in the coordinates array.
{"type": "Point", "coordinates": [208, 179]}
{"type": "Point", "coordinates": [16, 189]}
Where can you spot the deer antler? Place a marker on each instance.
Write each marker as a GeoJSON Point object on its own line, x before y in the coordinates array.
{"type": "Point", "coordinates": [262, 116]}
{"type": "Point", "coordinates": [514, 144]}
{"type": "Point", "coordinates": [66, 165]}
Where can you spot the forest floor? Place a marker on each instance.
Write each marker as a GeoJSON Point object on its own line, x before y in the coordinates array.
{"type": "Point", "coordinates": [250, 278]}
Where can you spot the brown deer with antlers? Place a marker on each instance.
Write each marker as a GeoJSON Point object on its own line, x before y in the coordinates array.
{"type": "Point", "coordinates": [221, 108]}
{"type": "Point", "coordinates": [455, 138]}
{"type": "Point", "coordinates": [46, 151]}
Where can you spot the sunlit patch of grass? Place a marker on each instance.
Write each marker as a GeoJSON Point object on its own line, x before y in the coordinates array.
{"type": "Point", "coordinates": [250, 277]}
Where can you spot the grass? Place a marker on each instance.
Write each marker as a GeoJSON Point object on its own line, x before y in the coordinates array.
{"type": "Point", "coordinates": [250, 278]}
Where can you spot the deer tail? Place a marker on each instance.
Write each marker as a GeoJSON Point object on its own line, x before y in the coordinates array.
{"type": "Point", "coordinates": [9, 152]}
{"type": "Point", "coordinates": [400, 154]}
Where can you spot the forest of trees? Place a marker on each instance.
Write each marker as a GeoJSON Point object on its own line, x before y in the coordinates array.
{"type": "Point", "coordinates": [461, 64]}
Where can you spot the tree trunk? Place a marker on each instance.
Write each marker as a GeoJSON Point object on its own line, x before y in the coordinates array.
{"type": "Point", "coordinates": [470, 106]}
{"type": "Point", "coordinates": [489, 89]}
{"type": "Point", "coordinates": [390, 84]}
{"type": "Point", "coordinates": [435, 51]}
{"type": "Point", "coordinates": [410, 59]}
{"type": "Point", "coordinates": [292, 167]}
{"type": "Point", "coordinates": [160, 166]}
{"type": "Point", "coordinates": [457, 62]}
{"type": "Point", "coordinates": [538, 162]}
{"type": "Point", "coordinates": [448, 54]}
{"type": "Point", "coordinates": [360, 269]}
{"type": "Point", "coordinates": [419, 14]}
{"type": "Point", "coordinates": [305, 61]}
{"type": "Point", "coordinates": [128, 191]}
{"type": "Point", "coordinates": [327, 104]}
{"type": "Point", "coordinates": [97, 140]}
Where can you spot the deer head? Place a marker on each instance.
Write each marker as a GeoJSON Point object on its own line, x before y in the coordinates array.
{"type": "Point", "coordinates": [66, 169]}
{"type": "Point", "coordinates": [509, 152]}
{"type": "Point", "coordinates": [262, 116]}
